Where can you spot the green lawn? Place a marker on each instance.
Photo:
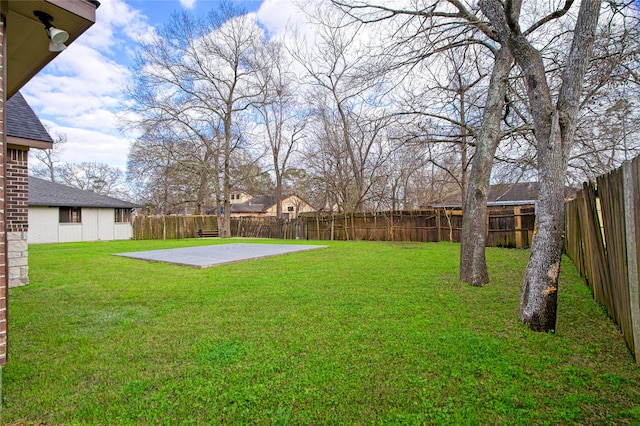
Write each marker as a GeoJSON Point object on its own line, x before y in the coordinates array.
{"type": "Point", "coordinates": [358, 333]}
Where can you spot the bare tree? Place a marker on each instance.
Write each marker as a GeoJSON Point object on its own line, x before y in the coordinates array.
{"type": "Point", "coordinates": [422, 33]}
{"type": "Point", "coordinates": [194, 80]}
{"type": "Point", "coordinates": [608, 130]}
{"type": "Point", "coordinates": [169, 173]}
{"type": "Point", "coordinates": [445, 103]}
{"type": "Point", "coordinates": [49, 159]}
{"type": "Point", "coordinates": [279, 111]}
{"type": "Point", "coordinates": [95, 177]}
{"type": "Point", "coordinates": [347, 107]}
{"type": "Point", "coordinates": [555, 125]}
{"type": "Point", "coordinates": [473, 265]}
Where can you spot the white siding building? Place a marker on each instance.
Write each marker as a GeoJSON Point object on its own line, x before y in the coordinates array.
{"type": "Point", "coordinates": [61, 214]}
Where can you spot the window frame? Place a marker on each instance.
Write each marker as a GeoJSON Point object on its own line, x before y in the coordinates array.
{"type": "Point", "coordinates": [70, 215]}
{"type": "Point", "coordinates": [122, 215]}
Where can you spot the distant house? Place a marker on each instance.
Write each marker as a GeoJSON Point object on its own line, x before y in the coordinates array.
{"type": "Point", "coordinates": [246, 205]}
{"type": "Point", "coordinates": [508, 194]}
{"type": "Point", "coordinates": [61, 214]}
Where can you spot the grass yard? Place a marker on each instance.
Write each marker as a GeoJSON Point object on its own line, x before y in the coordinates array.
{"type": "Point", "coordinates": [358, 333]}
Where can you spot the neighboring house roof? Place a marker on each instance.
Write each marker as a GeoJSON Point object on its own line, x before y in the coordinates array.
{"type": "Point", "coordinates": [508, 193]}
{"type": "Point", "coordinates": [521, 191]}
{"type": "Point", "coordinates": [45, 193]}
{"type": "Point", "coordinates": [256, 205]}
{"type": "Point", "coordinates": [22, 122]}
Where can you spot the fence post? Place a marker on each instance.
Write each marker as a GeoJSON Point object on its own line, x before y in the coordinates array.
{"type": "Point", "coordinates": [517, 219]}
{"type": "Point", "coordinates": [332, 225]}
{"type": "Point", "coordinates": [630, 202]}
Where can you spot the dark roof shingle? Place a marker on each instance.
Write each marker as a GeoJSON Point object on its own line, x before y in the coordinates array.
{"type": "Point", "coordinates": [256, 205]}
{"type": "Point", "coordinates": [22, 122]}
{"type": "Point", "coordinates": [45, 193]}
{"type": "Point", "coordinates": [521, 191]}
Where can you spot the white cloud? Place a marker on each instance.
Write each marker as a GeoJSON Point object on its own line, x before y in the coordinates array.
{"type": "Point", "coordinates": [188, 4]}
{"type": "Point", "coordinates": [277, 15]}
{"type": "Point", "coordinates": [79, 92]}
{"type": "Point", "coordinates": [89, 145]}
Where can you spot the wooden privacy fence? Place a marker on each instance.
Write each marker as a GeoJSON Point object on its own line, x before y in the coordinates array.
{"type": "Point", "coordinates": [268, 227]}
{"type": "Point", "coordinates": [171, 227]}
{"type": "Point", "coordinates": [507, 226]}
{"type": "Point", "coordinates": [602, 227]}
{"type": "Point", "coordinates": [176, 227]}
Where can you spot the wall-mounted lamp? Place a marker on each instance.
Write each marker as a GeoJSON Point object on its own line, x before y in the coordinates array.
{"type": "Point", "coordinates": [56, 36]}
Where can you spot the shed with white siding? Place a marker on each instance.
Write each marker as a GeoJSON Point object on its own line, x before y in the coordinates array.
{"type": "Point", "coordinates": [62, 214]}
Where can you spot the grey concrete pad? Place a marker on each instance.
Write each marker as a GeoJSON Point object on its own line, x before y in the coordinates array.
{"type": "Point", "coordinates": [219, 254]}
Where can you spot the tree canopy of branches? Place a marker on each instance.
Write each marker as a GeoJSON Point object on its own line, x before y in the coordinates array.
{"type": "Point", "coordinates": [350, 122]}
{"type": "Point", "coordinates": [280, 114]}
{"type": "Point", "coordinates": [191, 84]}
{"type": "Point", "coordinates": [88, 175]}
{"type": "Point", "coordinates": [547, 98]}
{"type": "Point", "coordinates": [48, 160]}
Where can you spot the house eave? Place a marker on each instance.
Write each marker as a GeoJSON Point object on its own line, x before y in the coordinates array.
{"type": "Point", "coordinates": [27, 45]}
{"type": "Point", "coordinates": [14, 142]}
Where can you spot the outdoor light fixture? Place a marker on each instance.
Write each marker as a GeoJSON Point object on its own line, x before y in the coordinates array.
{"type": "Point", "coordinates": [56, 36]}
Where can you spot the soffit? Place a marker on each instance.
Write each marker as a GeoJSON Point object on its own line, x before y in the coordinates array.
{"type": "Point", "coordinates": [26, 41]}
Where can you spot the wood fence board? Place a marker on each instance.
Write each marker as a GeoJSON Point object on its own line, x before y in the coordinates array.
{"type": "Point", "coordinates": [616, 294]}
{"type": "Point", "coordinates": [429, 225]}
{"type": "Point", "coordinates": [630, 177]}
{"type": "Point", "coordinates": [602, 236]}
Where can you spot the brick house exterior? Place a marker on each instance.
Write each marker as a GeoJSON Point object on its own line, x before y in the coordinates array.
{"type": "Point", "coordinates": [24, 131]}
{"type": "Point", "coordinates": [4, 285]}
{"type": "Point", "coordinates": [24, 51]}
{"type": "Point", "coordinates": [17, 187]}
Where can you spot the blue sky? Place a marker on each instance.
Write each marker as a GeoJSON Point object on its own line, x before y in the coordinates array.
{"type": "Point", "coordinates": [79, 93]}
{"type": "Point", "coordinates": [157, 11]}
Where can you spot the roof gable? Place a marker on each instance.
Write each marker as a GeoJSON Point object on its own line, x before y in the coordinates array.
{"type": "Point", "coordinates": [45, 193]}
{"type": "Point", "coordinates": [22, 122]}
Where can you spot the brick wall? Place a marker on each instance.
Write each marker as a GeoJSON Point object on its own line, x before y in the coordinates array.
{"type": "Point", "coordinates": [17, 216]}
{"type": "Point", "coordinates": [17, 190]}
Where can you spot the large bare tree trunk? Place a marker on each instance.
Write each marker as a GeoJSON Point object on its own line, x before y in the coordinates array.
{"type": "Point", "coordinates": [540, 289]}
{"type": "Point", "coordinates": [473, 266]}
{"type": "Point", "coordinates": [226, 180]}
{"type": "Point", "coordinates": [554, 130]}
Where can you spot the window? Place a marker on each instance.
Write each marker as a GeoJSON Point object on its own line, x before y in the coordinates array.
{"type": "Point", "coordinates": [123, 215]}
{"type": "Point", "coordinates": [290, 208]}
{"type": "Point", "coordinates": [70, 215]}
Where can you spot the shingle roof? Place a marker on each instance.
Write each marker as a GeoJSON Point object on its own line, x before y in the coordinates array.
{"type": "Point", "coordinates": [521, 191]}
{"type": "Point", "coordinates": [45, 193]}
{"type": "Point", "coordinates": [22, 122]}
{"type": "Point", "coordinates": [508, 193]}
{"type": "Point", "coordinates": [255, 205]}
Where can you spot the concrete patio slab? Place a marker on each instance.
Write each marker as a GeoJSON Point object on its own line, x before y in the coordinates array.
{"type": "Point", "coordinates": [219, 254]}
